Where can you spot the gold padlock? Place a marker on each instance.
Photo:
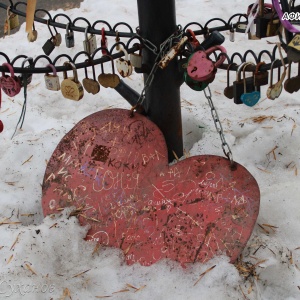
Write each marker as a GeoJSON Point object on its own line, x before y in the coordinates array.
{"type": "Point", "coordinates": [108, 79]}
{"type": "Point", "coordinates": [32, 35]}
{"type": "Point", "coordinates": [11, 22]}
{"type": "Point", "coordinates": [71, 88]}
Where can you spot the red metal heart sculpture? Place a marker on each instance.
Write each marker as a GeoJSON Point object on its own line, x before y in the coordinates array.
{"type": "Point", "coordinates": [114, 170]}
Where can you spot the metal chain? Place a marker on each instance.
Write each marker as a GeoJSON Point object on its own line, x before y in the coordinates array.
{"type": "Point", "coordinates": [164, 47]}
{"type": "Point", "coordinates": [219, 128]}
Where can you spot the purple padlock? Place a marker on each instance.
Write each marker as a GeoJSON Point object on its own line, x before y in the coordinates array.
{"type": "Point", "coordinates": [201, 67]}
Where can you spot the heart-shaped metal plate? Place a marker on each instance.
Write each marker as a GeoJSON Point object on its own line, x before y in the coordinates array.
{"type": "Point", "coordinates": [114, 169]}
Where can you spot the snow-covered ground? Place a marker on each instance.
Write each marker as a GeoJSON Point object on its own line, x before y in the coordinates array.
{"type": "Point", "coordinates": [42, 261]}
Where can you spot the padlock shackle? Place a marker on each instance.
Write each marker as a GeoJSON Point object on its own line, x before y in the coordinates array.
{"type": "Point", "coordinates": [221, 58]}
{"type": "Point", "coordinates": [239, 70]}
{"type": "Point", "coordinates": [125, 52]}
{"type": "Point", "coordinates": [86, 32]}
{"type": "Point", "coordinates": [72, 65]}
{"type": "Point", "coordinates": [90, 63]}
{"type": "Point", "coordinates": [29, 60]}
{"type": "Point", "coordinates": [272, 69]}
{"type": "Point", "coordinates": [50, 28]}
{"type": "Point", "coordinates": [52, 68]}
{"type": "Point", "coordinates": [10, 69]}
{"type": "Point", "coordinates": [244, 74]}
{"type": "Point", "coordinates": [228, 71]}
{"type": "Point", "coordinates": [103, 41]}
{"type": "Point", "coordinates": [112, 63]}
{"type": "Point", "coordinates": [68, 29]}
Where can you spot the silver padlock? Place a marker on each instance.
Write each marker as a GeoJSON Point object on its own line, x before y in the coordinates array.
{"type": "Point", "coordinates": [69, 37]}
{"type": "Point", "coordinates": [136, 59]}
{"type": "Point", "coordinates": [90, 42]}
{"type": "Point", "coordinates": [52, 81]}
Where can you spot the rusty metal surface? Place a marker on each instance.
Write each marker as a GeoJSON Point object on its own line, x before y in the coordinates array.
{"type": "Point", "coordinates": [115, 170]}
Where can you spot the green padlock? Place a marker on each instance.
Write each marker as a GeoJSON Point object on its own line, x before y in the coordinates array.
{"type": "Point", "coordinates": [193, 84]}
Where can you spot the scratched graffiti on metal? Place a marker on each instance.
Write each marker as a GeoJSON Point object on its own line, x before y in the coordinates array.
{"type": "Point", "coordinates": [115, 169]}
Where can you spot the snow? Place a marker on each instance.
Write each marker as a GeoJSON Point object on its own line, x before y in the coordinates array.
{"type": "Point", "coordinates": [47, 258]}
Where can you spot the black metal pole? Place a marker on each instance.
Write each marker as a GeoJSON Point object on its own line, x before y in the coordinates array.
{"type": "Point", "coordinates": [157, 21]}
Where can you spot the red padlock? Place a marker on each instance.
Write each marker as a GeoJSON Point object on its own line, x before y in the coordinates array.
{"type": "Point", "coordinates": [192, 39]}
{"type": "Point", "coordinates": [201, 67]}
{"type": "Point", "coordinates": [10, 85]}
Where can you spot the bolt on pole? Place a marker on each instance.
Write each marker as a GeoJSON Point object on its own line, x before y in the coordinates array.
{"type": "Point", "coordinates": [157, 21]}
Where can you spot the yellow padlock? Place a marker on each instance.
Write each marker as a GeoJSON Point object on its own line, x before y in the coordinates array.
{"type": "Point", "coordinates": [71, 88]}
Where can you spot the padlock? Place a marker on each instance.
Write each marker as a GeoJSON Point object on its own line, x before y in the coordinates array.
{"type": "Point", "coordinates": [71, 88]}
{"type": "Point", "coordinates": [123, 65]}
{"type": "Point", "coordinates": [56, 39]}
{"type": "Point", "coordinates": [108, 79]}
{"type": "Point", "coordinates": [231, 33]}
{"type": "Point", "coordinates": [117, 39]}
{"type": "Point", "coordinates": [48, 47]}
{"type": "Point", "coordinates": [90, 42]}
{"type": "Point", "coordinates": [26, 78]}
{"type": "Point", "coordinates": [172, 53]}
{"type": "Point", "coordinates": [228, 91]}
{"type": "Point", "coordinates": [91, 85]}
{"type": "Point", "coordinates": [201, 67]}
{"type": "Point", "coordinates": [252, 97]}
{"type": "Point", "coordinates": [267, 22]}
{"type": "Point", "coordinates": [104, 43]}
{"type": "Point", "coordinates": [13, 20]}
{"type": "Point", "coordinates": [293, 49]}
{"type": "Point", "coordinates": [52, 80]}
{"type": "Point", "coordinates": [261, 77]}
{"type": "Point", "coordinates": [32, 36]}
{"type": "Point", "coordinates": [69, 36]}
{"type": "Point", "coordinates": [192, 39]}
{"type": "Point", "coordinates": [238, 85]}
{"type": "Point", "coordinates": [193, 84]}
{"type": "Point", "coordinates": [10, 85]}
{"type": "Point", "coordinates": [241, 25]}
{"type": "Point", "coordinates": [274, 90]}
{"type": "Point", "coordinates": [292, 84]}
{"type": "Point", "coordinates": [136, 59]}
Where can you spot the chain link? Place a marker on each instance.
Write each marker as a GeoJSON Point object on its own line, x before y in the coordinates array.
{"type": "Point", "coordinates": [164, 47]}
{"type": "Point", "coordinates": [219, 128]}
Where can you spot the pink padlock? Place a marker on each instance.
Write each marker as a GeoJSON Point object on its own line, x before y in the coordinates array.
{"type": "Point", "coordinates": [201, 67]}
{"type": "Point", "coordinates": [10, 85]}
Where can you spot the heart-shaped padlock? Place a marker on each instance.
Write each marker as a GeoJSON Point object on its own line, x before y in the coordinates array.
{"type": "Point", "coordinates": [123, 65]}
{"type": "Point", "coordinates": [108, 79]}
{"type": "Point", "coordinates": [201, 67]}
{"type": "Point", "coordinates": [91, 85]}
{"type": "Point", "coordinates": [71, 88]}
{"type": "Point", "coordinates": [10, 85]}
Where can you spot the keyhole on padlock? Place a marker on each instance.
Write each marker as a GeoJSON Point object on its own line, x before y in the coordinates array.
{"type": "Point", "coordinates": [194, 69]}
